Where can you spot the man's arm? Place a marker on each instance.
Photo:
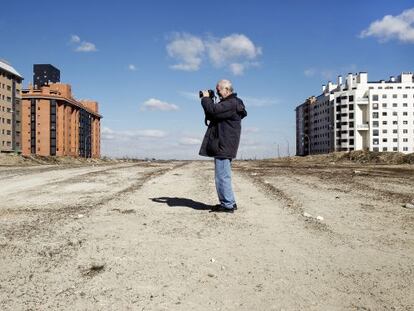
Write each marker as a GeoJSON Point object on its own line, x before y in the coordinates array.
{"type": "Point", "coordinates": [220, 110]}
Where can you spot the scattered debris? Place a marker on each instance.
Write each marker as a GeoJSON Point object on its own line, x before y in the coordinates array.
{"type": "Point", "coordinates": [93, 269]}
{"type": "Point", "coordinates": [320, 218]}
{"type": "Point", "coordinates": [409, 205]}
{"type": "Point", "coordinates": [212, 260]}
{"type": "Point", "coordinates": [307, 215]}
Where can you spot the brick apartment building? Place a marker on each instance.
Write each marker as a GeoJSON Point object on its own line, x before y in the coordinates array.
{"type": "Point", "coordinates": [54, 123]}
{"type": "Point", "coordinates": [10, 108]}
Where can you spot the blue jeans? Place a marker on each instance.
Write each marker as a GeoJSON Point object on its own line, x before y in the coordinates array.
{"type": "Point", "coordinates": [222, 169]}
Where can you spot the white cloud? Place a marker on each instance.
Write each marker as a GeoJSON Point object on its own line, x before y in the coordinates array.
{"type": "Point", "coordinates": [74, 39]}
{"type": "Point", "coordinates": [189, 141]}
{"type": "Point", "coordinates": [156, 104]}
{"type": "Point", "coordinates": [231, 48]}
{"type": "Point", "coordinates": [189, 95]}
{"type": "Point", "coordinates": [144, 133]}
{"type": "Point", "coordinates": [86, 47]}
{"type": "Point", "coordinates": [132, 67]}
{"type": "Point", "coordinates": [399, 27]}
{"type": "Point", "coordinates": [235, 52]}
{"type": "Point", "coordinates": [328, 73]}
{"type": "Point", "coordinates": [237, 69]}
{"type": "Point", "coordinates": [82, 46]}
{"type": "Point", "coordinates": [187, 50]}
{"type": "Point", "coordinates": [310, 72]}
{"type": "Point", "coordinates": [109, 134]}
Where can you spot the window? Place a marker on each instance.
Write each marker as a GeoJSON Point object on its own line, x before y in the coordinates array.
{"type": "Point", "coordinates": [375, 115]}
{"type": "Point", "coordinates": [394, 113]}
{"type": "Point", "coordinates": [384, 149]}
{"type": "Point", "coordinates": [394, 149]}
{"type": "Point", "coordinates": [384, 131]}
{"type": "Point", "coordinates": [394, 95]}
{"type": "Point", "coordinates": [405, 140]}
{"type": "Point", "coordinates": [384, 113]}
{"type": "Point", "coordinates": [405, 95]}
{"type": "Point", "coordinates": [375, 133]}
{"type": "Point", "coordinates": [375, 123]}
{"type": "Point", "coordinates": [405, 105]}
{"type": "Point", "coordinates": [395, 105]}
{"type": "Point", "coordinates": [384, 140]}
{"type": "Point", "coordinates": [375, 97]}
{"type": "Point", "coordinates": [375, 149]}
{"type": "Point", "coordinates": [351, 98]}
{"type": "Point", "coordinates": [395, 140]}
{"type": "Point", "coordinates": [384, 122]}
{"type": "Point", "coordinates": [405, 131]}
{"type": "Point", "coordinates": [405, 113]}
{"type": "Point", "coordinates": [375, 106]}
{"type": "Point", "coordinates": [384, 95]}
{"type": "Point", "coordinates": [395, 131]}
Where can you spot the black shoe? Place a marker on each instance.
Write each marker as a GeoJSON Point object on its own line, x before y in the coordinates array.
{"type": "Point", "coordinates": [219, 205]}
{"type": "Point", "coordinates": [221, 209]}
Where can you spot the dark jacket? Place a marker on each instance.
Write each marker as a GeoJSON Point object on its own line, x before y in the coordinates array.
{"type": "Point", "coordinates": [223, 133]}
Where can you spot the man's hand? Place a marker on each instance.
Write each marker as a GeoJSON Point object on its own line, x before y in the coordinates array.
{"type": "Point", "coordinates": [205, 93]}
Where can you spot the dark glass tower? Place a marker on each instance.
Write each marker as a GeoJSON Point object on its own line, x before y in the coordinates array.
{"type": "Point", "coordinates": [43, 74]}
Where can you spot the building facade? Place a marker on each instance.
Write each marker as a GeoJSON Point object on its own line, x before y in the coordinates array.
{"type": "Point", "coordinates": [44, 74]}
{"type": "Point", "coordinates": [54, 123]}
{"type": "Point", "coordinates": [10, 108]}
{"type": "Point", "coordinates": [364, 115]}
{"type": "Point", "coordinates": [302, 126]}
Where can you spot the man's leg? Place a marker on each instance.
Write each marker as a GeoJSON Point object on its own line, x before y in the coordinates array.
{"type": "Point", "coordinates": [223, 182]}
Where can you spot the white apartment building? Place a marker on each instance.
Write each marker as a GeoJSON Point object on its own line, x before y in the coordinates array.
{"type": "Point", "coordinates": [10, 107]}
{"type": "Point", "coordinates": [366, 115]}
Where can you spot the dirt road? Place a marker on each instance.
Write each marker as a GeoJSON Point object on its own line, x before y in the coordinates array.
{"type": "Point", "coordinates": [139, 236]}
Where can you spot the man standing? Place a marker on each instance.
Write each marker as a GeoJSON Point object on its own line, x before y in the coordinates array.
{"type": "Point", "coordinates": [222, 138]}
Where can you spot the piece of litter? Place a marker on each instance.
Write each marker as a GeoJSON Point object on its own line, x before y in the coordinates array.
{"type": "Point", "coordinates": [307, 215]}
{"type": "Point", "coordinates": [319, 218]}
{"type": "Point", "coordinates": [408, 205]}
{"type": "Point", "coordinates": [212, 260]}
{"type": "Point", "coordinates": [80, 216]}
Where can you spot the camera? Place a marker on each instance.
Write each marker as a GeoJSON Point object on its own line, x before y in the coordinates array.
{"type": "Point", "coordinates": [210, 94]}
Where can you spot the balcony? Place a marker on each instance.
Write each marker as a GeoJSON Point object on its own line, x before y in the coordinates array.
{"type": "Point", "coordinates": [363, 127]}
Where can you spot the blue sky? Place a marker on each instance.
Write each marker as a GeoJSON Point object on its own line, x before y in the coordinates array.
{"type": "Point", "coordinates": [144, 61]}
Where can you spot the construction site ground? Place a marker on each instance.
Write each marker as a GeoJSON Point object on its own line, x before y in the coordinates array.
{"type": "Point", "coordinates": [316, 233]}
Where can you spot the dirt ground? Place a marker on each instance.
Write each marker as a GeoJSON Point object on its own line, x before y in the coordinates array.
{"type": "Point", "coordinates": [139, 236]}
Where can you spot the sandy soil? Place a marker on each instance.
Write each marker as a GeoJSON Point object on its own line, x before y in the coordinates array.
{"type": "Point", "coordinates": [139, 236]}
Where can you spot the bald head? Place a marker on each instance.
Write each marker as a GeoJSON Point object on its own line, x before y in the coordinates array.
{"type": "Point", "coordinates": [225, 88]}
